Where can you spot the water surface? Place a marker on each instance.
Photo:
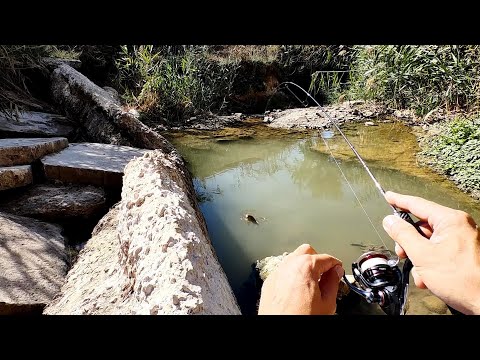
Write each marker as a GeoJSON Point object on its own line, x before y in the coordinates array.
{"type": "Point", "coordinates": [291, 185]}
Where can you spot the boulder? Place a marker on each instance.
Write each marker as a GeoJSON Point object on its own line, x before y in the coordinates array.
{"type": "Point", "coordinates": [151, 254]}
{"type": "Point", "coordinates": [15, 176]}
{"type": "Point", "coordinates": [32, 262]}
{"type": "Point", "coordinates": [48, 202]}
{"type": "Point", "coordinates": [90, 163]}
{"type": "Point", "coordinates": [100, 113]}
{"type": "Point", "coordinates": [26, 151]}
{"type": "Point", "coordinates": [34, 124]}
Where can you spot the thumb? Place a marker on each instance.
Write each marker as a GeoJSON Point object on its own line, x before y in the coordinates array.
{"type": "Point", "coordinates": [329, 285]}
{"type": "Point", "coordinates": [414, 244]}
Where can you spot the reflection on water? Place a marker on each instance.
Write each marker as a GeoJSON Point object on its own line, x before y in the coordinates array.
{"type": "Point", "coordinates": [292, 183]}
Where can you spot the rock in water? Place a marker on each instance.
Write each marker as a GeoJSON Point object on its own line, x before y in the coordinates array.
{"type": "Point", "coordinates": [434, 304]}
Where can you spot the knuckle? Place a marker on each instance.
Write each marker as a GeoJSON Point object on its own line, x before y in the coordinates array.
{"type": "Point", "coordinates": [462, 217]}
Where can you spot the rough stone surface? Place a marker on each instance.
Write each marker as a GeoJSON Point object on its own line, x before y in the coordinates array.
{"type": "Point", "coordinates": [434, 304]}
{"type": "Point", "coordinates": [313, 117]}
{"type": "Point", "coordinates": [158, 260]}
{"type": "Point", "coordinates": [32, 263]}
{"type": "Point", "coordinates": [266, 266]}
{"type": "Point", "coordinates": [15, 176]}
{"type": "Point", "coordinates": [50, 202]}
{"type": "Point", "coordinates": [32, 123]}
{"type": "Point", "coordinates": [100, 113]}
{"type": "Point", "coordinates": [25, 151]}
{"type": "Point", "coordinates": [90, 163]}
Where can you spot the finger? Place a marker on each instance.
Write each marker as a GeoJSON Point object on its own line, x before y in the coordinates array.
{"type": "Point", "coordinates": [427, 230]}
{"type": "Point", "coordinates": [304, 249]}
{"type": "Point", "coordinates": [418, 280]}
{"type": "Point", "coordinates": [423, 209]}
{"type": "Point", "coordinates": [400, 252]}
{"type": "Point", "coordinates": [321, 263]}
{"type": "Point", "coordinates": [414, 244]}
{"type": "Point", "coordinates": [329, 286]}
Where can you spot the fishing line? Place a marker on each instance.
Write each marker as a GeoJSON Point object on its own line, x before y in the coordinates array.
{"type": "Point", "coordinates": [338, 165]}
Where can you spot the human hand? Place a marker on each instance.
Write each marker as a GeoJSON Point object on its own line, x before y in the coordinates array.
{"type": "Point", "coordinates": [304, 283]}
{"type": "Point", "coordinates": [449, 263]}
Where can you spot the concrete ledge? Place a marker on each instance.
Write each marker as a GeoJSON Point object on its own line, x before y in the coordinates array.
{"type": "Point", "coordinates": [90, 163]}
{"type": "Point", "coordinates": [25, 151]}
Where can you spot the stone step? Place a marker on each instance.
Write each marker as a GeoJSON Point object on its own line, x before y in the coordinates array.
{"type": "Point", "coordinates": [32, 264]}
{"type": "Point", "coordinates": [34, 124]}
{"type": "Point", "coordinates": [15, 176]}
{"type": "Point", "coordinates": [25, 151]}
{"type": "Point", "coordinates": [53, 203]}
{"type": "Point", "coordinates": [90, 163]}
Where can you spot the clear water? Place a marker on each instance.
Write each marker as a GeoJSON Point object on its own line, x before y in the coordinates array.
{"type": "Point", "coordinates": [292, 186]}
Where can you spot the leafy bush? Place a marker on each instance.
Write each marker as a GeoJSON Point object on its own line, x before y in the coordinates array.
{"type": "Point", "coordinates": [455, 151]}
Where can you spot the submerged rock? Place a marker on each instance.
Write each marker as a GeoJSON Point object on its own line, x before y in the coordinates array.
{"type": "Point", "coordinates": [434, 304]}
{"type": "Point", "coordinates": [32, 262]}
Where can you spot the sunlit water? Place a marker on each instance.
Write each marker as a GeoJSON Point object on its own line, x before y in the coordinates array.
{"type": "Point", "coordinates": [292, 186]}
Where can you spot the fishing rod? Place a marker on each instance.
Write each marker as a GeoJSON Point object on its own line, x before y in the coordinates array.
{"type": "Point", "coordinates": [377, 272]}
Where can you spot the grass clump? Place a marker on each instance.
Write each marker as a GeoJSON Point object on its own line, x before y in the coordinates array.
{"type": "Point", "coordinates": [455, 152]}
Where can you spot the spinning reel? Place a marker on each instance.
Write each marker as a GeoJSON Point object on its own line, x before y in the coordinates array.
{"type": "Point", "coordinates": [381, 281]}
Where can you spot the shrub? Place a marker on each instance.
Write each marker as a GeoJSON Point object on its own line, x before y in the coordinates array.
{"type": "Point", "coordinates": [455, 152]}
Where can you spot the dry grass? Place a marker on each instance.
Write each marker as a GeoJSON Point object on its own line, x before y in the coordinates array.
{"type": "Point", "coordinates": [236, 53]}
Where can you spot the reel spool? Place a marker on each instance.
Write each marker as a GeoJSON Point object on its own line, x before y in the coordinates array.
{"type": "Point", "coordinates": [380, 281]}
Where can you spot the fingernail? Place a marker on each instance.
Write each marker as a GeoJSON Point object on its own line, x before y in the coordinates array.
{"type": "Point", "coordinates": [388, 221]}
{"type": "Point", "coordinates": [339, 270]}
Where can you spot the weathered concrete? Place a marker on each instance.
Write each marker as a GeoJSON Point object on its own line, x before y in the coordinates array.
{"type": "Point", "coordinates": [32, 263]}
{"type": "Point", "coordinates": [15, 176]}
{"type": "Point", "coordinates": [100, 113]}
{"type": "Point", "coordinates": [90, 163]}
{"type": "Point", "coordinates": [158, 261]}
{"type": "Point", "coordinates": [31, 123]}
{"type": "Point", "coordinates": [47, 202]}
{"type": "Point", "coordinates": [25, 151]}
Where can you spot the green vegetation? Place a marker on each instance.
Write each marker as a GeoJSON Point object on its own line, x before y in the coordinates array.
{"type": "Point", "coordinates": [173, 83]}
{"type": "Point", "coordinates": [455, 152]}
{"type": "Point", "coordinates": [170, 84]}
{"type": "Point", "coordinates": [417, 77]}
